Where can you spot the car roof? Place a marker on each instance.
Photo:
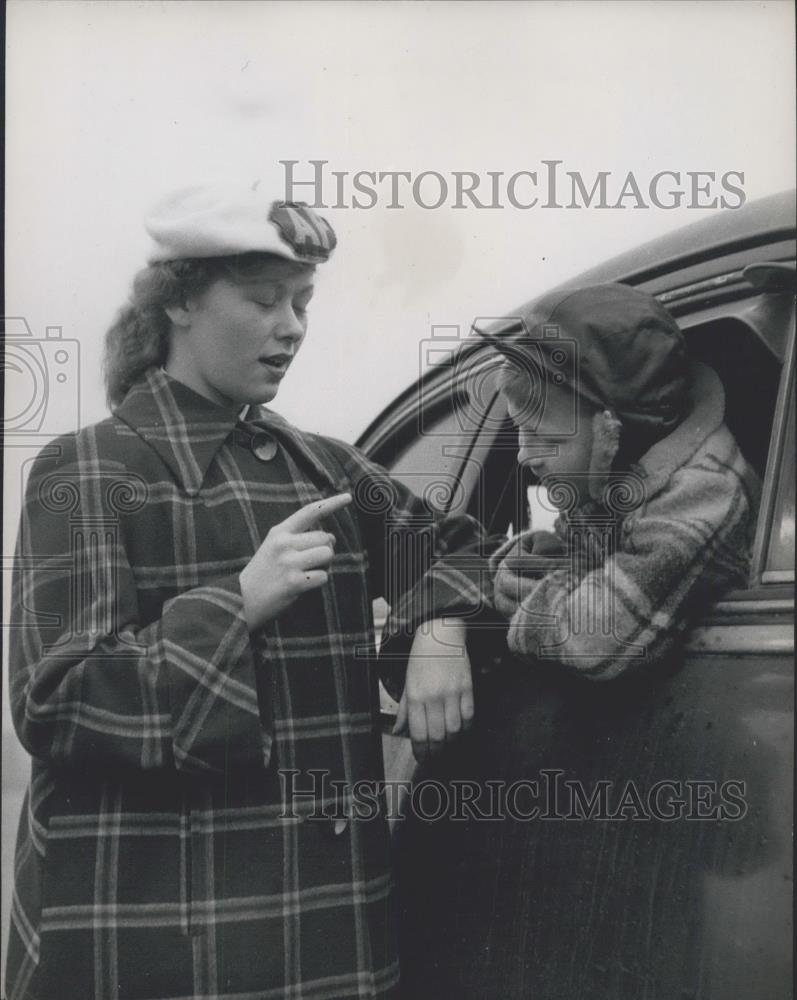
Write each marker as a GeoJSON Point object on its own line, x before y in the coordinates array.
{"type": "Point", "coordinates": [767, 217]}
{"type": "Point", "coordinates": [756, 223]}
{"type": "Point", "coordinates": [760, 222]}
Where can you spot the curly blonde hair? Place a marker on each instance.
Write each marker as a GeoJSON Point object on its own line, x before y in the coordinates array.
{"type": "Point", "coordinates": [138, 338]}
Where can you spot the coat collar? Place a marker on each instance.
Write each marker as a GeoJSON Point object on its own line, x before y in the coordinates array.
{"type": "Point", "coordinates": [187, 430]}
{"type": "Point", "coordinates": [705, 415]}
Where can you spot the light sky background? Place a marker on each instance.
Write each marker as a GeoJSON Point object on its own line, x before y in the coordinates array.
{"type": "Point", "coordinates": [111, 104]}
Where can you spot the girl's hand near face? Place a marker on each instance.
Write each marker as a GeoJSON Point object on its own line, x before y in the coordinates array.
{"type": "Point", "coordinates": [437, 702]}
{"type": "Point", "coordinates": [292, 560]}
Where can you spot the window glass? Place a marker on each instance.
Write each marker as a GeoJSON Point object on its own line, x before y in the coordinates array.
{"type": "Point", "coordinates": [428, 458]}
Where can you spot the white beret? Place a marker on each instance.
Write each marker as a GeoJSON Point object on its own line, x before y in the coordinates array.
{"type": "Point", "coordinates": [223, 219]}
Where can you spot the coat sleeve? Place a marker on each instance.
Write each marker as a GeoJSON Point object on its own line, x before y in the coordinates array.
{"type": "Point", "coordinates": [426, 565]}
{"type": "Point", "coordinates": [690, 543]}
{"type": "Point", "coordinates": [91, 683]}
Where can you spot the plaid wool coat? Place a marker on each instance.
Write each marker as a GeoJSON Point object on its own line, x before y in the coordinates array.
{"type": "Point", "coordinates": [166, 846]}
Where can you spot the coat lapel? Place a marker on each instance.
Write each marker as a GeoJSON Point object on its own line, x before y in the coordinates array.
{"type": "Point", "coordinates": [187, 430]}
{"type": "Point", "coordinates": [184, 428]}
{"type": "Point", "coordinates": [705, 415]}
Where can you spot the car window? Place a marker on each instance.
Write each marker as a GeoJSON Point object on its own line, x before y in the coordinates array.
{"type": "Point", "coordinates": [508, 499]}
{"type": "Point", "coordinates": [750, 375]}
{"type": "Point", "coordinates": [431, 458]}
{"type": "Point", "coordinates": [748, 356]}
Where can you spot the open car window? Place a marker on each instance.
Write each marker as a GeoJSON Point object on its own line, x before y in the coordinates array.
{"type": "Point", "coordinates": [750, 344]}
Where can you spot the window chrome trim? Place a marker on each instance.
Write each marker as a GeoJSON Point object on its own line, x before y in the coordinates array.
{"type": "Point", "coordinates": [774, 469]}
{"type": "Point", "coordinates": [778, 576]}
{"type": "Point", "coordinates": [761, 640]}
{"type": "Point", "coordinates": [766, 606]}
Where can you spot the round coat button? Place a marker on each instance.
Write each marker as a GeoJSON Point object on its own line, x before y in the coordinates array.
{"type": "Point", "coordinates": [264, 446]}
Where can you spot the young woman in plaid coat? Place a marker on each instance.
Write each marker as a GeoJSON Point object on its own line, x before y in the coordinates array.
{"type": "Point", "coordinates": [192, 662]}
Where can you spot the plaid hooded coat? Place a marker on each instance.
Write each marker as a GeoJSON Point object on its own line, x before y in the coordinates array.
{"type": "Point", "coordinates": [167, 847]}
{"type": "Point", "coordinates": [681, 530]}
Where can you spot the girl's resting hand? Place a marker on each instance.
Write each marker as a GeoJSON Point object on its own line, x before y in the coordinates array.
{"type": "Point", "coordinates": [437, 702]}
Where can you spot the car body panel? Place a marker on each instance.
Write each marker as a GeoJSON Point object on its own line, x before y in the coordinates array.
{"type": "Point", "coordinates": [560, 907]}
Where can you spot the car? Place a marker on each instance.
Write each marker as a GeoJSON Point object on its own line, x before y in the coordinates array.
{"type": "Point", "coordinates": [584, 905]}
